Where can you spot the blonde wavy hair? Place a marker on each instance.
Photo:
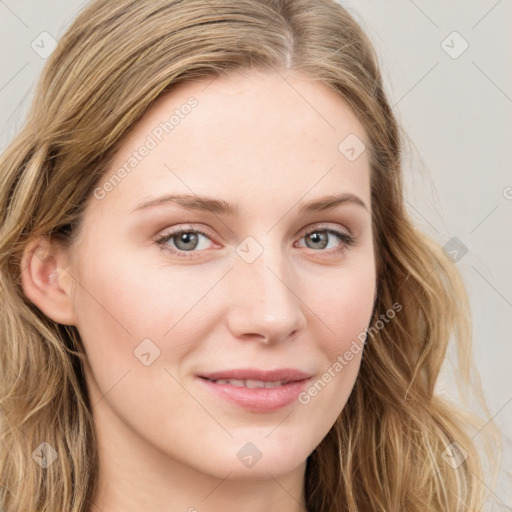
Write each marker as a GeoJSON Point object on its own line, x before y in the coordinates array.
{"type": "Point", "coordinates": [385, 451]}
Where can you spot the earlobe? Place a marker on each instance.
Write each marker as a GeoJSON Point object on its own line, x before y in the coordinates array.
{"type": "Point", "coordinates": [45, 281]}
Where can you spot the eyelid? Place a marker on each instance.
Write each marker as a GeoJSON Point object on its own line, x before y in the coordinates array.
{"type": "Point", "coordinates": [344, 235]}
{"type": "Point", "coordinates": [318, 226]}
{"type": "Point", "coordinates": [183, 228]}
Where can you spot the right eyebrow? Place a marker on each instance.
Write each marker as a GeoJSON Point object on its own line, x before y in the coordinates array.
{"type": "Point", "coordinates": [192, 202]}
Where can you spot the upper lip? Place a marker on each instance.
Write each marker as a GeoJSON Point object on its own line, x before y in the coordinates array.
{"type": "Point", "coordinates": [280, 374]}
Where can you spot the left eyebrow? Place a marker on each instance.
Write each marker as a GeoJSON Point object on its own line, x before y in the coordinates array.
{"type": "Point", "coordinates": [219, 206]}
{"type": "Point", "coordinates": [328, 202]}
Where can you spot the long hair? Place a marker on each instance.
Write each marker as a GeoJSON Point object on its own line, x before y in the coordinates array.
{"type": "Point", "coordinates": [385, 451]}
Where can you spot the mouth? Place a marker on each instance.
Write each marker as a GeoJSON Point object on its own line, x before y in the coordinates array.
{"type": "Point", "coordinates": [249, 383]}
{"type": "Point", "coordinates": [257, 390]}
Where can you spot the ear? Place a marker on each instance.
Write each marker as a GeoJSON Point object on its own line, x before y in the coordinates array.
{"type": "Point", "coordinates": [45, 281]}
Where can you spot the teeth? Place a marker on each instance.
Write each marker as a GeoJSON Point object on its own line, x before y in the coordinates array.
{"type": "Point", "coordinates": [252, 384]}
{"type": "Point", "coordinates": [233, 382]}
{"type": "Point", "coordinates": [274, 384]}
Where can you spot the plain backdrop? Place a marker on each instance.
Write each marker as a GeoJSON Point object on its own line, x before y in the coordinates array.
{"type": "Point", "coordinates": [448, 73]}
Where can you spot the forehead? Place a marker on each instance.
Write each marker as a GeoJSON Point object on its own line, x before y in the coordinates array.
{"type": "Point", "coordinates": [269, 134]}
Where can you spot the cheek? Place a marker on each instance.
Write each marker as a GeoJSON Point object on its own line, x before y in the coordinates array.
{"type": "Point", "coordinates": [343, 305]}
{"type": "Point", "coordinates": [350, 311]}
{"type": "Point", "coordinates": [344, 302]}
{"type": "Point", "coordinates": [122, 300]}
{"type": "Point", "coordinates": [122, 291]}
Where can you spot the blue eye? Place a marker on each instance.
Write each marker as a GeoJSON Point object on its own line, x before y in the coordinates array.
{"type": "Point", "coordinates": [187, 242]}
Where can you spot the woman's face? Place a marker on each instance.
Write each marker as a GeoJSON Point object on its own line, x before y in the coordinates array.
{"type": "Point", "coordinates": [262, 285]}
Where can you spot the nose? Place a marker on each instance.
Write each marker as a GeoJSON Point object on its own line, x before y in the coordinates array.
{"type": "Point", "coordinates": [265, 302]}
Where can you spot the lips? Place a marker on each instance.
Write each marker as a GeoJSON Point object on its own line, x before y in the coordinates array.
{"type": "Point", "coordinates": [254, 374]}
{"type": "Point", "coordinates": [256, 390]}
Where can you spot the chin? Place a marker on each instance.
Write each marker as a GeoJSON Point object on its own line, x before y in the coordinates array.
{"type": "Point", "coordinates": [264, 456]}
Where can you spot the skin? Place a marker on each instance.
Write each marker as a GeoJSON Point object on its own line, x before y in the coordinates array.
{"type": "Point", "coordinates": [266, 141]}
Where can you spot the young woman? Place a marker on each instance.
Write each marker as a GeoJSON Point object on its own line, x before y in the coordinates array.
{"type": "Point", "coordinates": [213, 296]}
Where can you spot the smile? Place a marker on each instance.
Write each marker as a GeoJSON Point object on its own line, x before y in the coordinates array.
{"type": "Point", "coordinates": [253, 384]}
{"type": "Point", "coordinates": [254, 390]}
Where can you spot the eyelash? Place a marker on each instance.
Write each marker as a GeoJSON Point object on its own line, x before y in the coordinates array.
{"type": "Point", "coordinates": [346, 239]}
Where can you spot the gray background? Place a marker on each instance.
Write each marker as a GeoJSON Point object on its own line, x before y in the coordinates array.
{"type": "Point", "coordinates": [455, 105]}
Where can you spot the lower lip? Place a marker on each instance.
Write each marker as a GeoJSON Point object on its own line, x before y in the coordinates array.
{"type": "Point", "coordinates": [259, 399]}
